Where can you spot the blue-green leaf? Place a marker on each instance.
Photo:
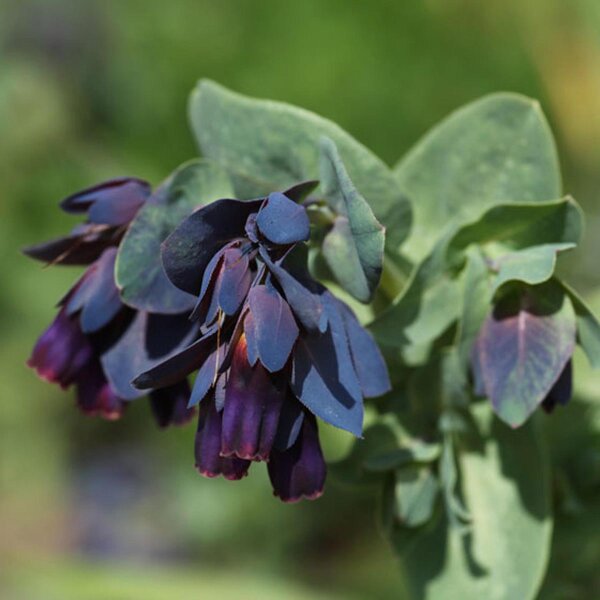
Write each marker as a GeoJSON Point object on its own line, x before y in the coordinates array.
{"type": "Point", "coordinates": [505, 485]}
{"type": "Point", "coordinates": [532, 265]}
{"type": "Point", "coordinates": [588, 327]}
{"type": "Point", "coordinates": [496, 150]}
{"type": "Point", "coordinates": [139, 273]}
{"type": "Point", "coordinates": [353, 248]}
{"type": "Point", "coordinates": [519, 226]}
{"type": "Point", "coordinates": [268, 146]}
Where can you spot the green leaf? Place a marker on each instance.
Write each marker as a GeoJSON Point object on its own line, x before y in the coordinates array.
{"type": "Point", "coordinates": [139, 273]}
{"type": "Point", "coordinates": [353, 247]}
{"type": "Point", "coordinates": [419, 452]}
{"type": "Point", "coordinates": [588, 327]}
{"type": "Point", "coordinates": [496, 150]}
{"type": "Point", "coordinates": [476, 303]}
{"type": "Point", "coordinates": [505, 484]}
{"type": "Point", "coordinates": [426, 307]}
{"type": "Point", "coordinates": [384, 436]}
{"type": "Point", "coordinates": [517, 226]}
{"type": "Point", "coordinates": [532, 265]}
{"type": "Point", "coordinates": [268, 146]}
{"type": "Point", "coordinates": [416, 490]}
{"type": "Point", "coordinates": [457, 513]}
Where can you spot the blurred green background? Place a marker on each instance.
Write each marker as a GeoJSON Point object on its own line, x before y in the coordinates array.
{"type": "Point", "coordinates": [91, 89]}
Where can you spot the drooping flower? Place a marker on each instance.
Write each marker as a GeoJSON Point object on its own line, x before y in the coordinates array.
{"type": "Point", "coordinates": [277, 349]}
{"type": "Point", "coordinates": [82, 347]}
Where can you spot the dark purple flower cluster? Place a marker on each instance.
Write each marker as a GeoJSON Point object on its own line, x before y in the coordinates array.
{"type": "Point", "coordinates": [276, 348]}
{"type": "Point", "coordinates": [92, 321]}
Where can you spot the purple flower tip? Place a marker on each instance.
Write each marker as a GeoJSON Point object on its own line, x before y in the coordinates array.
{"type": "Point", "coordinates": [300, 471]}
{"type": "Point", "coordinates": [95, 397]}
{"type": "Point", "coordinates": [61, 351]}
{"type": "Point", "coordinates": [207, 447]}
{"type": "Point", "coordinates": [252, 407]}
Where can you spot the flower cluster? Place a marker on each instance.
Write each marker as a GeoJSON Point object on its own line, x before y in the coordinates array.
{"type": "Point", "coordinates": [92, 321]}
{"type": "Point", "coordinates": [273, 349]}
{"type": "Point", "coordinates": [276, 350]}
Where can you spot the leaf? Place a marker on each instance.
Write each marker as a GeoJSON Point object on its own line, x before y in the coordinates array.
{"type": "Point", "coordinates": [368, 361]}
{"type": "Point", "coordinates": [274, 327]}
{"type": "Point", "coordinates": [588, 327]}
{"type": "Point", "coordinates": [292, 276]}
{"type": "Point", "coordinates": [518, 226]}
{"type": "Point", "coordinates": [505, 484]}
{"type": "Point", "coordinates": [455, 510]}
{"type": "Point", "coordinates": [354, 246]}
{"type": "Point", "coordinates": [177, 365]}
{"type": "Point", "coordinates": [379, 439]}
{"type": "Point", "coordinates": [148, 341]}
{"type": "Point", "coordinates": [476, 303]}
{"type": "Point", "coordinates": [523, 346]}
{"type": "Point", "coordinates": [190, 247]}
{"type": "Point", "coordinates": [102, 303]}
{"type": "Point", "coordinates": [416, 491]}
{"type": "Point", "coordinates": [419, 452]}
{"type": "Point", "coordinates": [532, 265]}
{"type": "Point", "coordinates": [425, 308]}
{"type": "Point", "coordinates": [282, 221]}
{"type": "Point", "coordinates": [268, 146]}
{"type": "Point", "coordinates": [323, 375]}
{"type": "Point", "coordinates": [495, 150]}
{"type": "Point", "coordinates": [139, 272]}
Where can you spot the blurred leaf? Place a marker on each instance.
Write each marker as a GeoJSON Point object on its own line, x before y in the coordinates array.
{"type": "Point", "coordinates": [505, 484]}
{"type": "Point", "coordinates": [495, 150]}
{"type": "Point", "coordinates": [523, 346]}
{"type": "Point", "coordinates": [268, 146]}
{"type": "Point", "coordinates": [416, 490]}
{"type": "Point", "coordinates": [531, 265]}
{"type": "Point", "coordinates": [457, 513]}
{"type": "Point", "coordinates": [385, 436]}
{"type": "Point", "coordinates": [588, 327]}
{"type": "Point", "coordinates": [517, 226]}
{"type": "Point", "coordinates": [419, 452]}
{"type": "Point", "coordinates": [139, 271]}
{"type": "Point", "coordinates": [353, 247]}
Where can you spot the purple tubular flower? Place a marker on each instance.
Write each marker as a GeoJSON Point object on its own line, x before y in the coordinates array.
{"type": "Point", "coordinates": [61, 351]}
{"type": "Point", "coordinates": [300, 471]}
{"type": "Point", "coordinates": [169, 405]}
{"type": "Point", "coordinates": [95, 397]}
{"type": "Point", "coordinates": [96, 342]}
{"type": "Point", "coordinates": [277, 348]}
{"type": "Point", "coordinates": [251, 411]}
{"type": "Point", "coordinates": [207, 446]}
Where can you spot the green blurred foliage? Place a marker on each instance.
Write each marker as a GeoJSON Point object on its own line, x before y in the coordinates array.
{"type": "Point", "coordinates": [92, 89]}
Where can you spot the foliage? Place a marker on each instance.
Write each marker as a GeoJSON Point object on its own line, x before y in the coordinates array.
{"type": "Point", "coordinates": [480, 334]}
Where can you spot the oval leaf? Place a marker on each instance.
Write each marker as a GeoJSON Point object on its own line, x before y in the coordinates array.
{"type": "Point", "coordinates": [270, 145]}
{"type": "Point", "coordinates": [275, 330]}
{"type": "Point", "coordinates": [354, 246]}
{"type": "Point", "coordinates": [496, 150]}
{"type": "Point", "coordinates": [139, 271]}
{"type": "Point", "coordinates": [282, 221]}
{"type": "Point", "coordinates": [522, 349]}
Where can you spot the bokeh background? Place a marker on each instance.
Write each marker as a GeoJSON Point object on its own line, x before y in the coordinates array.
{"type": "Point", "coordinates": [91, 89]}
